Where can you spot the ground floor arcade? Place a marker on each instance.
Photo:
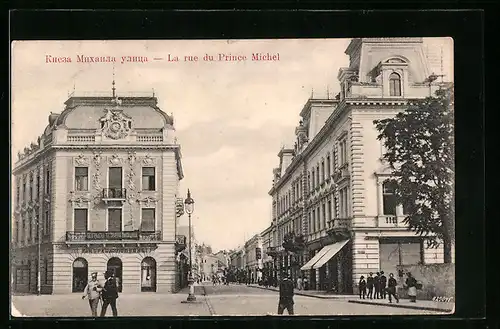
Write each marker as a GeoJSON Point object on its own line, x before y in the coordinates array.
{"type": "Point", "coordinates": [67, 269]}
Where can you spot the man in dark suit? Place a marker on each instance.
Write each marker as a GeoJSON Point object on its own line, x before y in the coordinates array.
{"type": "Point", "coordinates": [109, 293]}
{"type": "Point", "coordinates": [383, 285]}
{"type": "Point", "coordinates": [286, 295]}
{"type": "Point", "coordinates": [376, 285]}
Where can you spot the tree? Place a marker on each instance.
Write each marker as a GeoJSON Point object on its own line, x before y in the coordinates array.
{"type": "Point", "coordinates": [420, 149]}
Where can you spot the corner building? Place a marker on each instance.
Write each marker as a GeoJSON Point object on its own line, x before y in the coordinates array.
{"type": "Point", "coordinates": [98, 191]}
{"type": "Point", "coordinates": [331, 186]}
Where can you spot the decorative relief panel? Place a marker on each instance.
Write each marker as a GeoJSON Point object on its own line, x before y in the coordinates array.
{"type": "Point", "coordinates": [80, 201]}
{"type": "Point", "coordinates": [115, 124]}
{"type": "Point", "coordinates": [148, 201]}
{"type": "Point", "coordinates": [115, 160]}
{"type": "Point", "coordinates": [81, 160]}
{"type": "Point", "coordinates": [148, 160]}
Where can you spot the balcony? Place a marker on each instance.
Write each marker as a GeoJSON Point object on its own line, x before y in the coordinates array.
{"type": "Point", "coordinates": [180, 243]}
{"type": "Point", "coordinates": [114, 194]}
{"type": "Point", "coordinates": [341, 173]}
{"type": "Point", "coordinates": [391, 221]}
{"type": "Point", "coordinates": [136, 236]}
{"type": "Point", "coordinates": [339, 226]}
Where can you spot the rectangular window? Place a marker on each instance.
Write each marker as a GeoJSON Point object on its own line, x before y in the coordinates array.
{"type": "Point", "coordinates": [115, 178]}
{"type": "Point", "coordinates": [148, 220]}
{"type": "Point", "coordinates": [18, 192]}
{"type": "Point", "coordinates": [31, 187]}
{"type": "Point", "coordinates": [318, 218]}
{"type": "Point", "coordinates": [328, 167]}
{"type": "Point", "coordinates": [322, 172]}
{"type": "Point", "coordinates": [81, 216]}
{"type": "Point", "coordinates": [313, 221]}
{"type": "Point", "coordinates": [16, 232]}
{"type": "Point", "coordinates": [329, 209]}
{"type": "Point", "coordinates": [114, 220]}
{"type": "Point", "coordinates": [344, 203]}
{"type": "Point", "coordinates": [24, 189]}
{"type": "Point", "coordinates": [46, 270]}
{"type": "Point", "coordinates": [389, 199]}
{"type": "Point", "coordinates": [81, 178]}
{"type": "Point", "coordinates": [323, 213]}
{"type": "Point", "coordinates": [313, 180]}
{"type": "Point", "coordinates": [148, 179]}
{"type": "Point", "coordinates": [47, 181]}
{"type": "Point", "coordinates": [37, 185]}
{"type": "Point", "coordinates": [317, 176]}
{"type": "Point", "coordinates": [30, 228]}
{"type": "Point", "coordinates": [46, 222]}
{"type": "Point", "coordinates": [343, 151]}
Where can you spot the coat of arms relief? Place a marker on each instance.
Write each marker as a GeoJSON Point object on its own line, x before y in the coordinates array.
{"type": "Point", "coordinates": [115, 124]}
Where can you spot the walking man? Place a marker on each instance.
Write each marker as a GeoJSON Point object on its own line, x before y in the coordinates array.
{"type": "Point", "coordinates": [109, 293]}
{"type": "Point", "coordinates": [93, 292]}
{"type": "Point", "coordinates": [383, 285]}
{"type": "Point", "coordinates": [391, 288]}
{"type": "Point", "coordinates": [362, 287]}
{"type": "Point", "coordinates": [376, 285]}
{"type": "Point", "coordinates": [299, 283]}
{"type": "Point", "coordinates": [286, 295]}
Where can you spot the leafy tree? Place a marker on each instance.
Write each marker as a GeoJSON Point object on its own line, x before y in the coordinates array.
{"type": "Point", "coordinates": [294, 244]}
{"type": "Point", "coordinates": [420, 149]}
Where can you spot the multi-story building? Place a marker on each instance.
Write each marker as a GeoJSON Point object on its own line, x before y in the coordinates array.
{"type": "Point", "coordinates": [98, 191]}
{"type": "Point", "coordinates": [253, 258]}
{"type": "Point", "coordinates": [209, 266]}
{"type": "Point", "coordinates": [331, 186]}
{"type": "Point", "coordinates": [267, 245]}
{"type": "Point", "coordinates": [236, 258]}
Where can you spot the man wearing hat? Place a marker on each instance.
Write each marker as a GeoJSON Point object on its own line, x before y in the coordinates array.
{"type": "Point", "coordinates": [286, 295]}
{"type": "Point", "coordinates": [93, 292]}
{"type": "Point", "coordinates": [109, 293]}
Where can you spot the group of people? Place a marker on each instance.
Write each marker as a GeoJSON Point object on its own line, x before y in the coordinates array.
{"type": "Point", "coordinates": [302, 283]}
{"type": "Point", "coordinates": [107, 293]}
{"type": "Point", "coordinates": [379, 287]}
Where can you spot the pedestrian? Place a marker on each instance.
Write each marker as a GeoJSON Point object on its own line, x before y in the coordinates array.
{"type": "Point", "coordinates": [306, 283]}
{"type": "Point", "coordinates": [383, 285]}
{"type": "Point", "coordinates": [391, 288]}
{"type": "Point", "coordinates": [411, 285]}
{"type": "Point", "coordinates": [376, 285]}
{"type": "Point", "coordinates": [109, 293]}
{"type": "Point", "coordinates": [93, 292]}
{"type": "Point", "coordinates": [286, 295]}
{"type": "Point", "coordinates": [369, 285]}
{"type": "Point", "coordinates": [362, 287]}
{"type": "Point", "coordinates": [299, 283]}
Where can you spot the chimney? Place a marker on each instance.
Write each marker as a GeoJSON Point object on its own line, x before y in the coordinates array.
{"type": "Point", "coordinates": [286, 156]}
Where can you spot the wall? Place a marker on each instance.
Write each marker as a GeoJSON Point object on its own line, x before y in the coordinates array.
{"type": "Point", "coordinates": [438, 280]}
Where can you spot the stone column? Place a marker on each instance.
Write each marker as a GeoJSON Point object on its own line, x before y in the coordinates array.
{"type": "Point", "coordinates": [380, 199]}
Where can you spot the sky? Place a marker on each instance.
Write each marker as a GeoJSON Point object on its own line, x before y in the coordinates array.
{"type": "Point", "coordinates": [231, 117]}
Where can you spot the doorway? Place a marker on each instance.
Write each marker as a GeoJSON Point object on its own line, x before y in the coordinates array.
{"type": "Point", "coordinates": [115, 265]}
{"type": "Point", "coordinates": [80, 274]}
{"type": "Point", "coordinates": [148, 274]}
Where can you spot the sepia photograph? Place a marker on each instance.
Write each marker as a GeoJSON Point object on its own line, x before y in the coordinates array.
{"type": "Point", "coordinates": [241, 177]}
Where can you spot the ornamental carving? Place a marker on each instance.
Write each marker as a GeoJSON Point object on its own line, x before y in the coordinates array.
{"type": "Point", "coordinates": [131, 158]}
{"type": "Point", "coordinates": [97, 160]}
{"type": "Point", "coordinates": [81, 160]}
{"type": "Point", "coordinates": [130, 177]}
{"type": "Point", "coordinates": [148, 201]}
{"type": "Point", "coordinates": [115, 160]}
{"type": "Point", "coordinates": [115, 124]}
{"type": "Point", "coordinates": [148, 160]}
{"type": "Point", "coordinates": [96, 180]}
{"type": "Point", "coordinates": [131, 198]}
{"type": "Point", "coordinates": [80, 201]}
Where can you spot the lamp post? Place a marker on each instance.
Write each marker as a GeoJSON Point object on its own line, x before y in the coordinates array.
{"type": "Point", "coordinates": [189, 208]}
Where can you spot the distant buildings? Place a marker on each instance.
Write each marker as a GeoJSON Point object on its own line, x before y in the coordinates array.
{"type": "Point", "coordinates": [331, 186]}
{"type": "Point", "coordinates": [98, 191]}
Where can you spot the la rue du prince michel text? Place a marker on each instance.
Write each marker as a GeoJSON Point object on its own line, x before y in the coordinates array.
{"type": "Point", "coordinates": [169, 58]}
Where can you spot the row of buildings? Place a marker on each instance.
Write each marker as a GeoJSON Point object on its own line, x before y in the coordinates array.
{"type": "Point", "coordinates": [100, 190]}
{"type": "Point", "coordinates": [331, 185]}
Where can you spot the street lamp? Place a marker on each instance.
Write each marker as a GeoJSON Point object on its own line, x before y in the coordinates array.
{"type": "Point", "coordinates": [189, 208]}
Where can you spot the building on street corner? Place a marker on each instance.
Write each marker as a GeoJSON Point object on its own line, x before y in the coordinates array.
{"type": "Point", "coordinates": [98, 191]}
{"type": "Point", "coordinates": [331, 185]}
{"type": "Point", "coordinates": [253, 258]}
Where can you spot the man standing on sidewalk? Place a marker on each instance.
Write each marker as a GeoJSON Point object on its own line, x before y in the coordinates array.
{"type": "Point", "coordinates": [286, 295]}
{"type": "Point", "coordinates": [383, 285]}
{"type": "Point", "coordinates": [391, 288]}
{"type": "Point", "coordinates": [93, 292]}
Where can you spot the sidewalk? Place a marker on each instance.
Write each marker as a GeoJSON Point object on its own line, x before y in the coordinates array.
{"type": "Point", "coordinates": [307, 293]}
{"type": "Point", "coordinates": [425, 305]}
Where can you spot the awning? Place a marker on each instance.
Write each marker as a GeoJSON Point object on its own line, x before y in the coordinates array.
{"type": "Point", "coordinates": [312, 261]}
{"type": "Point", "coordinates": [332, 251]}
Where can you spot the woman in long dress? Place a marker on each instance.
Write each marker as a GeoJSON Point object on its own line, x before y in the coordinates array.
{"type": "Point", "coordinates": [411, 285]}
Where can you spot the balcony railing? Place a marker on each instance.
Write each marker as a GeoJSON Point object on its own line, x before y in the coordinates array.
{"type": "Point", "coordinates": [114, 193]}
{"type": "Point", "coordinates": [112, 236]}
{"type": "Point", "coordinates": [339, 224]}
{"type": "Point", "coordinates": [391, 221]}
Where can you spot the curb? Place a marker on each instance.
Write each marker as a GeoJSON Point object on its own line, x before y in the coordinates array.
{"type": "Point", "coordinates": [304, 294]}
{"type": "Point", "coordinates": [416, 307]}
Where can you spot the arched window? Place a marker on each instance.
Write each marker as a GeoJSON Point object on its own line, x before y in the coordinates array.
{"type": "Point", "coordinates": [80, 274]}
{"type": "Point", "coordinates": [394, 84]}
{"type": "Point", "coordinates": [148, 274]}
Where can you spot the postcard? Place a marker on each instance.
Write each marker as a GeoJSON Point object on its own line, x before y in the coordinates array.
{"type": "Point", "coordinates": [232, 177]}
